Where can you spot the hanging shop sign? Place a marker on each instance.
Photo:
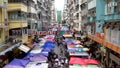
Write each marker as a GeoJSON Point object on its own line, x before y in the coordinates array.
{"type": "Point", "coordinates": [44, 32]}
{"type": "Point", "coordinates": [24, 48]}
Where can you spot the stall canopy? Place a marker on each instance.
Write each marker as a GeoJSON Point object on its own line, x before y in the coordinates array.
{"type": "Point", "coordinates": [36, 50]}
{"type": "Point", "coordinates": [48, 44]}
{"type": "Point", "coordinates": [12, 66]}
{"type": "Point", "coordinates": [17, 63]}
{"type": "Point", "coordinates": [37, 65]}
{"type": "Point", "coordinates": [78, 50]}
{"type": "Point", "coordinates": [49, 37]}
{"type": "Point", "coordinates": [91, 61]}
{"type": "Point", "coordinates": [76, 42]}
{"type": "Point", "coordinates": [75, 60]}
{"type": "Point", "coordinates": [46, 50]}
{"type": "Point", "coordinates": [32, 54]}
{"type": "Point", "coordinates": [82, 61]}
{"type": "Point", "coordinates": [38, 58]}
{"type": "Point", "coordinates": [74, 46]}
{"type": "Point", "coordinates": [68, 41]}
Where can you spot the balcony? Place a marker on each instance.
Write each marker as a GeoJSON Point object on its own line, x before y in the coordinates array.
{"type": "Point", "coordinates": [109, 45]}
{"type": "Point", "coordinates": [17, 6]}
{"type": "Point", "coordinates": [17, 23]}
{"type": "Point", "coordinates": [112, 17]}
{"type": "Point", "coordinates": [3, 3]}
{"type": "Point", "coordinates": [91, 19]}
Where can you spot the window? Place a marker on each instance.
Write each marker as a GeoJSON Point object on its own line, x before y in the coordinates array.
{"type": "Point", "coordinates": [117, 8]}
{"type": "Point", "coordinates": [19, 13]}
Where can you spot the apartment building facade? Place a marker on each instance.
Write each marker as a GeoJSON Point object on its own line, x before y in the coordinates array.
{"type": "Point", "coordinates": [91, 17]}
{"type": "Point", "coordinates": [84, 12]}
{"type": "Point", "coordinates": [3, 21]}
{"type": "Point", "coordinates": [32, 18]}
{"type": "Point", "coordinates": [17, 15]}
{"type": "Point", "coordinates": [46, 12]}
{"type": "Point", "coordinates": [77, 15]}
{"type": "Point", "coordinates": [106, 32]}
{"type": "Point", "coordinates": [53, 14]}
{"type": "Point", "coordinates": [73, 14]}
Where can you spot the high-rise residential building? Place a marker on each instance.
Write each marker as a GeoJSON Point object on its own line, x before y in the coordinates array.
{"type": "Point", "coordinates": [46, 12]}
{"type": "Point", "coordinates": [72, 12]}
{"type": "Point", "coordinates": [84, 13]}
{"type": "Point", "coordinates": [4, 33]}
{"type": "Point", "coordinates": [65, 12]}
{"type": "Point", "coordinates": [39, 14]}
{"type": "Point", "coordinates": [59, 16]}
{"type": "Point", "coordinates": [53, 14]}
{"type": "Point", "coordinates": [17, 15]}
{"type": "Point", "coordinates": [91, 17]}
{"type": "Point", "coordinates": [77, 15]}
{"type": "Point", "coordinates": [32, 18]}
{"type": "Point", "coordinates": [104, 28]}
{"type": "Point", "coordinates": [18, 20]}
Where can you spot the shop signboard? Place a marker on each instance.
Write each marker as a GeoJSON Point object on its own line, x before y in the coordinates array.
{"type": "Point", "coordinates": [44, 32]}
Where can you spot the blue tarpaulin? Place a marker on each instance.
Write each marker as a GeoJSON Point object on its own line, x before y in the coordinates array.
{"type": "Point", "coordinates": [18, 62]}
{"type": "Point", "coordinates": [48, 44]}
{"type": "Point", "coordinates": [46, 50]}
{"type": "Point", "coordinates": [32, 54]}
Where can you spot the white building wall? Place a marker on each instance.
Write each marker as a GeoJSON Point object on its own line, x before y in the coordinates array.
{"type": "Point", "coordinates": [92, 4]}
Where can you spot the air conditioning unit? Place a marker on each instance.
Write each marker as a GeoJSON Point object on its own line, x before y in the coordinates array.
{"type": "Point", "coordinates": [114, 4]}
{"type": "Point", "coordinates": [111, 4]}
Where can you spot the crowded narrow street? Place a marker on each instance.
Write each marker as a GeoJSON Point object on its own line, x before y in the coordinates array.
{"type": "Point", "coordinates": [59, 33]}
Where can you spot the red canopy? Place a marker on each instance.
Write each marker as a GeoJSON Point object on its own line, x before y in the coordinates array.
{"type": "Point", "coordinates": [75, 60]}
{"type": "Point", "coordinates": [82, 61]}
{"type": "Point", "coordinates": [49, 39]}
{"type": "Point", "coordinates": [91, 61]}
